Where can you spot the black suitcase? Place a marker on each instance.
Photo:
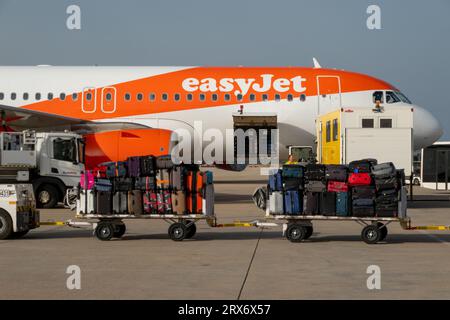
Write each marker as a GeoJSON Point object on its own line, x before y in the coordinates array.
{"type": "Point", "coordinates": [315, 186]}
{"type": "Point", "coordinates": [363, 192]}
{"type": "Point", "coordinates": [386, 183]}
{"type": "Point", "coordinates": [315, 172]}
{"type": "Point", "coordinates": [145, 183]}
{"type": "Point", "coordinates": [292, 184]}
{"type": "Point", "coordinates": [311, 203]}
{"type": "Point", "coordinates": [361, 166]}
{"type": "Point", "coordinates": [103, 202]}
{"type": "Point", "coordinates": [123, 184]}
{"type": "Point", "coordinates": [147, 166]}
{"type": "Point", "coordinates": [327, 204]}
{"type": "Point", "coordinates": [363, 212]}
{"type": "Point", "coordinates": [362, 202]}
{"type": "Point", "coordinates": [336, 173]}
{"type": "Point", "coordinates": [386, 213]}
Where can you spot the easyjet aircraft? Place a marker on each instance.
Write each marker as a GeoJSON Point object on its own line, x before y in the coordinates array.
{"type": "Point", "coordinates": [132, 110]}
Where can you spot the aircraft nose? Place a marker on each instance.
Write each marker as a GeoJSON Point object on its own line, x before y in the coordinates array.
{"type": "Point", "coordinates": [427, 128]}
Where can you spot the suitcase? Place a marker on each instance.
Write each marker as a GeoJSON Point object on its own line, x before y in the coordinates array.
{"type": "Point", "coordinates": [363, 192]}
{"type": "Point", "coordinates": [162, 179]}
{"type": "Point", "coordinates": [103, 202]}
{"type": "Point", "coordinates": [384, 170]}
{"type": "Point", "coordinates": [135, 206]}
{"type": "Point", "coordinates": [194, 192]}
{"type": "Point", "coordinates": [103, 185]}
{"type": "Point", "coordinates": [164, 162]}
{"type": "Point", "coordinates": [275, 181]}
{"type": "Point", "coordinates": [87, 180]}
{"type": "Point", "coordinates": [149, 202]}
{"type": "Point", "coordinates": [362, 212]}
{"type": "Point", "coordinates": [120, 202]}
{"type": "Point", "coordinates": [208, 200]}
{"type": "Point", "coordinates": [292, 203]}
{"type": "Point", "coordinates": [292, 171]}
{"type": "Point", "coordinates": [134, 167]}
{"type": "Point", "coordinates": [359, 179]}
{"type": "Point", "coordinates": [360, 166]}
{"type": "Point", "coordinates": [145, 183]}
{"type": "Point", "coordinates": [362, 202]}
{"type": "Point", "coordinates": [86, 202]}
{"type": "Point", "coordinates": [327, 204]}
{"type": "Point", "coordinates": [292, 184]}
{"type": "Point", "coordinates": [123, 184]}
{"type": "Point", "coordinates": [315, 186]}
{"type": "Point", "coordinates": [276, 203]}
{"type": "Point", "coordinates": [342, 202]}
{"type": "Point", "coordinates": [336, 172]}
{"type": "Point", "coordinates": [386, 183]}
{"type": "Point", "coordinates": [207, 177]}
{"type": "Point", "coordinates": [386, 213]}
{"type": "Point", "coordinates": [121, 169]}
{"type": "Point", "coordinates": [179, 202]}
{"type": "Point", "coordinates": [315, 172]}
{"type": "Point", "coordinates": [164, 202]}
{"type": "Point", "coordinates": [337, 186]}
{"type": "Point", "coordinates": [110, 169]}
{"type": "Point", "coordinates": [147, 166]}
{"type": "Point", "coordinates": [177, 178]}
{"type": "Point", "coordinates": [311, 203]}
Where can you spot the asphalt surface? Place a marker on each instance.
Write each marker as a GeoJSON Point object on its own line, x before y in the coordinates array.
{"type": "Point", "coordinates": [232, 263]}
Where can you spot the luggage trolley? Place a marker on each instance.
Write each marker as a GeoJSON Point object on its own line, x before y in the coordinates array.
{"type": "Point", "coordinates": [111, 226]}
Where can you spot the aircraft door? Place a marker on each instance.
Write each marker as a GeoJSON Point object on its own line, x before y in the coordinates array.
{"type": "Point", "coordinates": [329, 93]}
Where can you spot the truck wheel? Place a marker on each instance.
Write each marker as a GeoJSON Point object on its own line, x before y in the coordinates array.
{"type": "Point", "coordinates": [296, 232]}
{"type": "Point", "coordinates": [18, 235]}
{"type": "Point", "coordinates": [191, 230]}
{"type": "Point", "coordinates": [371, 234]}
{"type": "Point", "coordinates": [47, 196]}
{"type": "Point", "coordinates": [6, 225]}
{"type": "Point", "coordinates": [119, 230]}
{"type": "Point", "coordinates": [178, 231]}
{"type": "Point", "coordinates": [104, 231]}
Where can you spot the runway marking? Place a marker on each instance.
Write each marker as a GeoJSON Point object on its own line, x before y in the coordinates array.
{"type": "Point", "coordinates": [432, 236]}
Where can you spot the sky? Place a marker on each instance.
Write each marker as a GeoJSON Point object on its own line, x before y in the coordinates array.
{"type": "Point", "coordinates": [411, 50]}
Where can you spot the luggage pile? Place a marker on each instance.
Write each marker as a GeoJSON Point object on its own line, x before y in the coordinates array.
{"type": "Point", "coordinates": [361, 189]}
{"type": "Point", "coordinates": [146, 185]}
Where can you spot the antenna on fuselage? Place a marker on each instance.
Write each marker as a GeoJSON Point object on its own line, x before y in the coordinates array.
{"type": "Point", "coordinates": [316, 63]}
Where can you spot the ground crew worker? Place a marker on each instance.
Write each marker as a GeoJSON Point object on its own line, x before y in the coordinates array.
{"type": "Point", "coordinates": [290, 160]}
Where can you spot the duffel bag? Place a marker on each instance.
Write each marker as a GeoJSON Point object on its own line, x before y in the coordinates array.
{"type": "Point", "coordinates": [384, 170]}
{"type": "Point", "coordinates": [359, 179]}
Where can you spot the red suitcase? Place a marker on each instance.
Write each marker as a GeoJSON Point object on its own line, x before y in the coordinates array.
{"type": "Point", "coordinates": [359, 179]}
{"type": "Point", "coordinates": [337, 186]}
{"type": "Point", "coordinates": [194, 183]}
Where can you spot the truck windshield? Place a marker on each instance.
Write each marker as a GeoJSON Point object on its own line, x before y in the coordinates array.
{"type": "Point", "coordinates": [65, 150]}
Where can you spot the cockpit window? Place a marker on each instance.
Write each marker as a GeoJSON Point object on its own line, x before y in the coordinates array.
{"type": "Point", "coordinates": [378, 95]}
{"type": "Point", "coordinates": [391, 97]}
{"type": "Point", "coordinates": [403, 97]}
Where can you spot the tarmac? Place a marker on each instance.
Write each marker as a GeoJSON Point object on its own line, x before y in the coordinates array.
{"type": "Point", "coordinates": [233, 263]}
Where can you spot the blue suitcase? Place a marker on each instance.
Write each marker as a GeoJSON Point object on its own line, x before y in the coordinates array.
{"type": "Point", "coordinates": [342, 204]}
{"type": "Point", "coordinates": [103, 185]}
{"type": "Point", "coordinates": [292, 202]}
{"type": "Point", "coordinates": [275, 182]}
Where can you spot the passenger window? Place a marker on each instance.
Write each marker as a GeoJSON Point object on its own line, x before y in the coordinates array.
{"type": "Point", "coordinates": [391, 97]}
{"type": "Point", "coordinates": [108, 96]}
{"type": "Point", "coordinates": [62, 96]}
{"type": "Point", "coordinates": [152, 97]}
{"type": "Point", "coordinates": [88, 96]}
{"type": "Point", "coordinates": [74, 96]}
{"type": "Point", "coordinates": [252, 97]}
{"type": "Point", "coordinates": [265, 97]}
{"type": "Point", "coordinates": [13, 96]}
{"type": "Point", "coordinates": [335, 130]}
{"type": "Point", "coordinates": [25, 96]}
{"type": "Point", "coordinates": [378, 95]}
{"type": "Point", "coordinates": [176, 97]}
{"type": "Point", "coordinates": [164, 96]}
{"type": "Point", "coordinates": [189, 97]}
{"type": "Point", "coordinates": [37, 96]}
{"type": "Point", "coordinates": [139, 96]}
{"type": "Point", "coordinates": [227, 97]}
{"type": "Point", "coordinates": [202, 97]}
{"type": "Point", "coordinates": [214, 97]}
{"type": "Point", "coordinates": [50, 96]}
{"type": "Point", "coordinates": [367, 123]}
{"type": "Point", "coordinates": [328, 131]}
{"type": "Point", "coordinates": [277, 97]}
{"type": "Point", "coordinates": [302, 97]}
{"type": "Point", "coordinates": [2, 96]}
{"type": "Point", "coordinates": [289, 97]}
{"type": "Point", "coordinates": [239, 97]}
{"type": "Point", "coordinates": [385, 123]}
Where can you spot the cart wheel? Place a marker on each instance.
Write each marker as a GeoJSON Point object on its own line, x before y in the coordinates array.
{"type": "Point", "coordinates": [371, 234]}
{"type": "Point", "coordinates": [309, 232]}
{"type": "Point", "coordinates": [191, 230]}
{"type": "Point", "coordinates": [383, 229]}
{"type": "Point", "coordinates": [6, 225]}
{"type": "Point", "coordinates": [120, 230]}
{"type": "Point", "coordinates": [296, 232]}
{"type": "Point", "coordinates": [178, 231]}
{"type": "Point", "coordinates": [104, 231]}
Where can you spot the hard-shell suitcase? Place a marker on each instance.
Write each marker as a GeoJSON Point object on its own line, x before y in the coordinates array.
{"type": "Point", "coordinates": [292, 202]}
{"type": "Point", "coordinates": [150, 202]}
{"type": "Point", "coordinates": [164, 199]}
{"type": "Point", "coordinates": [276, 181]}
{"type": "Point", "coordinates": [362, 202]}
{"type": "Point", "coordinates": [177, 178]}
{"type": "Point", "coordinates": [315, 172]}
{"type": "Point", "coordinates": [387, 196]}
{"type": "Point", "coordinates": [362, 212]}
{"type": "Point", "coordinates": [386, 183]}
{"type": "Point", "coordinates": [163, 179]}
{"type": "Point", "coordinates": [179, 202]}
{"type": "Point", "coordinates": [103, 202]}
{"type": "Point", "coordinates": [311, 203]}
{"type": "Point", "coordinates": [194, 183]}
{"type": "Point", "coordinates": [120, 202]}
{"type": "Point", "coordinates": [134, 167]}
{"type": "Point", "coordinates": [360, 166]}
{"type": "Point", "coordinates": [147, 166]}
{"type": "Point", "coordinates": [208, 200]}
{"type": "Point", "coordinates": [103, 185]}
{"type": "Point", "coordinates": [337, 186]}
{"type": "Point", "coordinates": [342, 202]}
{"type": "Point", "coordinates": [135, 202]}
{"type": "Point", "coordinates": [86, 202]}
{"type": "Point", "coordinates": [276, 202]}
{"type": "Point", "coordinates": [384, 170]}
{"type": "Point", "coordinates": [328, 203]}
{"type": "Point", "coordinates": [145, 183]}
{"type": "Point", "coordinates": [315, 186]}
{"type": "Point", "coordinates": [123, 184]}
{"type": "Point", "coordinates": [164, 162]}
{"type": "Point", "coordinates": [363, 192]}
{"type": "Point", "coordinates": [336, 172]}
{"type": "Point", "coordinates": [207, 177]}
{"type": "Point", "coordinates": [293, 171]}
{"type": "Point", "coordinates": [292, 184]}
{"type": "Point", "coordinates": [359, 179]}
